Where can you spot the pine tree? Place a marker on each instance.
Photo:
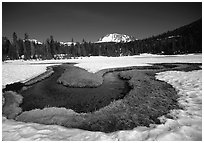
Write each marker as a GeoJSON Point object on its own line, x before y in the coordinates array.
{"type": "Point", "coordinates": [12, 52]}
{"type": "Point", "coordinates": [73, 51]}
{"type": "Point", "coordinates": [5, 48]}
{"type": "Point", "coordinates": [32, 46]}
{"type": "Point", "coordinates": [78, 49]}
{"type": "Point", "coordinates": [26, 37]}
{"type": "Point", "coordinates": [83, 50]}
{"type": "Point", "coordinates": [21, 49]}
{"type": "Point", "coordinates": [47, 50]}
{"type": "Point", "coordinates": [52, 46]}
{"type": "Point", "coordinates": [15, 50]}
{"type": "Point", "coordinates": [27, 48]}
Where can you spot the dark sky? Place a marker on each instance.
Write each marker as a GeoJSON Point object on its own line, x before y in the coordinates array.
{"type": "Point", "coordinates": [94, 20]}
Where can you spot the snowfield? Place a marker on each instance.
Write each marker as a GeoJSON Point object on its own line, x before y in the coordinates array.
{"type": "Point", "coordinates": [185, 125]}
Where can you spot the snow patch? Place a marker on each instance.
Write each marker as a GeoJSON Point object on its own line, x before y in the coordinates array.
{"type": "Point", "coordinates": [67, 43]}
{"type": "Point", "coordinates": [34, 41]}
{"type": "Point", "coordinates": [21, 71]}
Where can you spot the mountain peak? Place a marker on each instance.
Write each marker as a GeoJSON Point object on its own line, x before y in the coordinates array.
{"type": "Point", "coordinates": [116, 37]}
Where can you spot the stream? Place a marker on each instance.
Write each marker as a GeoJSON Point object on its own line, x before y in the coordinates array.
{"type": "Point", "coordinates": [49, 93]}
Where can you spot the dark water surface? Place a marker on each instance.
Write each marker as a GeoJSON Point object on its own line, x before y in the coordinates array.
{"type": "Point", "coordinates": [49, 93]}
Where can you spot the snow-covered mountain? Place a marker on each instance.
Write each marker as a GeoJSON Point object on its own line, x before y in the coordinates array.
{"type": "Point", "coordinates": [67, 43]}
{"type": "Point", "coordinates": [115, 37]}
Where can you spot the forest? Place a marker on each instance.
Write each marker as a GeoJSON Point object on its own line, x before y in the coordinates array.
{"type": "Point", "coordinates": [183, 40]}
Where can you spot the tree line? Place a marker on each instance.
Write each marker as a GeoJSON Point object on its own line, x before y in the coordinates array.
{"type": "Point", "coordinates": [187, 39]}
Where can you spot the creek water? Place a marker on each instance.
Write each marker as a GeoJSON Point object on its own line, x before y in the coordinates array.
{"type": "Point", "coordinates": [49, 93]}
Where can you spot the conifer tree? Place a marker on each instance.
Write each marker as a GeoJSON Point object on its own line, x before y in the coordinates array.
{"type": "Point", "coordinates": [13, 53]}
{"type": "Point", "coordinates": [27, 48]}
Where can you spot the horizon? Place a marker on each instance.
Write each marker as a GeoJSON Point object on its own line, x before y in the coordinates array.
{"type": "Point", "coordinates": [91, 21]}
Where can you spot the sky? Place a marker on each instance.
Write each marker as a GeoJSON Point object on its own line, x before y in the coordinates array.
{"type": "Point", "coordinates": [90, 21]}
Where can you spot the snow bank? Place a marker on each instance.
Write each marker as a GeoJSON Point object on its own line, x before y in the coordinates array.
{"type": "Point", "coordinates": [186, 124]}
{"type": "Point", "coordinates": [19, 71]}
{"type": "Point", "coordinates": [13, 131]}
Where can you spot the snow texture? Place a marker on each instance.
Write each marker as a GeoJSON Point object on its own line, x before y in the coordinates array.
{"type": "Point", "coordinates": [34, 40]}
{"type": "Point", "coordinates": [185, 125]}
{"type": "Point", "coordinates": [67, 43]}
{"type": "Point", "coordinates": [115, 37]}
{"type": "Point", "coordinates": [95, 64]}
{"type": "Point", "coordinates": [21, 71]}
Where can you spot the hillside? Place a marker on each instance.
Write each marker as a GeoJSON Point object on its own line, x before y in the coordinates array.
{"type": "Point", "coordinates": [194, 28]}
{"type": "Point", "coordinates": [186, 39]}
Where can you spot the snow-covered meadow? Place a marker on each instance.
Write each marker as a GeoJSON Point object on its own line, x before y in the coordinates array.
{"type": "Point", "coordinates": [186, 124]}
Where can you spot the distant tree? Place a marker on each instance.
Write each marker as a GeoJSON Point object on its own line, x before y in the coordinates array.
{"type": "Point", "coordinates": [5, 48]}
{"type": "Point", "coordinates": [26, 37]}
{"type": "Point", "coordinates": [25, 51]}
{"type": "Point", "coordinates": [73, 49]}
{"type": "Point", "coordinates": [12, 51]}
{"type": "Point", "coordinates": [99, 50]}
{"type": "Point", "coordinates": [14, 37]}
{"type": "Point", "coordinates": [82, 47]}
{"type": "Point", "coordinates": [52, 46]}
{"type": "Point", "coordinates": [83, 41]}
{"type": "Point", "coordinates": [27, 47]}
{"type": "Point", "coordinates": [32, 48]}
{"type": "Point", "coordinates": [15, 46]}
{"type": "Point", "coordinates": [21, 48]}
{"type": "Point", "coordinates": [78, 48]}
{"type": "Point", "coordinates": [48, 54]}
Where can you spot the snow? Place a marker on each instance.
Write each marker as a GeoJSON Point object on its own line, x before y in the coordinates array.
{"type": "Point", "coordinates": [20, 71]}
{"type": "Point", "coordinates": [19, 131]}
{"type": "Point", "coordinates": [35, 41]}
{"type": "Point", "coordinates": [67, 43]}
{"type": "Point", "coordinates": [186, 124]}
{"type": "Point", "coordinates": [95, 64]}
{"type": "Point", "coordinates": [173, 36]}
{"type": "Point", "coordinates": [115, 37]}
